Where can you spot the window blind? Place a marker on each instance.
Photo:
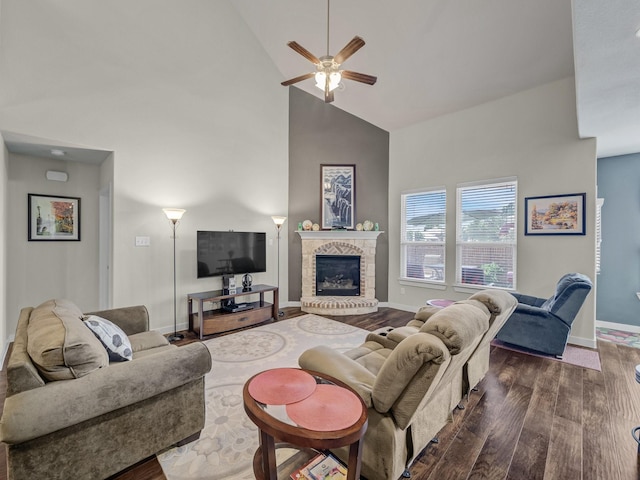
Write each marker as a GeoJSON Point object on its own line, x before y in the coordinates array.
{"type": "Point", "coordinates": [423, 235]}
{"type": "Point", "coordinates": [486, 234]}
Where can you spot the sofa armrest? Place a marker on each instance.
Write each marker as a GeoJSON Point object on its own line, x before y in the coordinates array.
{"type": "Point", "coordinates": [130, 319]}
{"type": "Point", "coordinates": [528, 310]}
{"type": "Point", "coordinates": [323, 359]}
{"type": "Point", "coordinates": [400, 333]}
{"type": "Point", "coordinates": [57, 405]}
{"type": "Point", "coordinates": [528, 299]}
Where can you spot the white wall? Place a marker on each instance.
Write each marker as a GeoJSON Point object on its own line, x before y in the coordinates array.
{"type": "Point", "coordinates": [531, 135]}
{"type": "Point", "coordinates": [40, 270]}
{"type": "Point", "coordinates": [4, 332]}
{"type": "Point", "coordinates": [190, 105]}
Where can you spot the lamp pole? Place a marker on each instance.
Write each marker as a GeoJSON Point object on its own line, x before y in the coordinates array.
{"type": "Point", "coordinates": [174, 215]}
{"type": "Point", "coordinates": [279, 221]}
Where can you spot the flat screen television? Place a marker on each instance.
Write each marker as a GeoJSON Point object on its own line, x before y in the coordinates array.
{"type": "Point", "coordinates": [231, 253]}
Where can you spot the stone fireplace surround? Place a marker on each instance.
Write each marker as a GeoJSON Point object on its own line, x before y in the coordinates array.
{"type": "Point", "coordinates": [339, 242]}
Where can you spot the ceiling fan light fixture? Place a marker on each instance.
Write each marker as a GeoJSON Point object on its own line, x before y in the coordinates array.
{"type": "Point", "coordinates": [321, 79]}
{"type": "Point", "coordinates": [334, 80]}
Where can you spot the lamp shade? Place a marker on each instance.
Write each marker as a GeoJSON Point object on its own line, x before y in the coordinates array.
{"type": "Point", "coordinates": [278, 220]}
{"type": "Point", "coordinates": [174, 214]}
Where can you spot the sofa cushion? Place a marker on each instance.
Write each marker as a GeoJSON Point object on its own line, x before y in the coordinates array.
{"type": "Point", "coordinates": [112, 337]}
{"type": "Point", "coordinates": [60, 345]}
{"type": "Point", "coordinates": [144, 341]}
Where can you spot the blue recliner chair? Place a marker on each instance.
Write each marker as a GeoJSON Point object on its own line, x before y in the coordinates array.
{"type": "Point", "coordinates": [543, 324]}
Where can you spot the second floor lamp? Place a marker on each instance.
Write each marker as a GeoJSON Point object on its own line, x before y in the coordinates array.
{"type": "Point", "coordinates": [279, 221]}
{"type": "Point", "coordinates": [174, 215]}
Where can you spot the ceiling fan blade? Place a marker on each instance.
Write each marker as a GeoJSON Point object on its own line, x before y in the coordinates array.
{"type": "Point", "coordinates": [349, 49]}
{"type": "Point", "coordinates": [328, 95]}
{"type": "Point", "coordinates": [304, 52]}
{"type": "Point", "coordinates": [286, 83]}
{"type": "Point", "coordinates": [359, 77]}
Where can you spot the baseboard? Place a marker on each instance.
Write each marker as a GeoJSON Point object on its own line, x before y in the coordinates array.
{"type": "Point", "coordinates": [168, 330]}
{"type": "Point", "coordinates": [583, 342]}
{"type": "Point", "coordinates": [406, 308]}
{"type": "Point", "coordinates": [618, 326]}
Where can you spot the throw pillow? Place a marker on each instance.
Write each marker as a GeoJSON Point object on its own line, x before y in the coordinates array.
{"type": "Point", "coordinates": [59, 344]}
{"type": "Point", "coordinates": [112, 337]}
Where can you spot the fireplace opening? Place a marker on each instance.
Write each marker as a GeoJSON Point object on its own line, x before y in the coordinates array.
{"type": "Point", "coordinates": [337, 275]}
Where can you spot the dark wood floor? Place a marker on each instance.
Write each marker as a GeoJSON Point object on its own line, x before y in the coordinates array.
{"type": "Point", "coordinates": [531, 418]}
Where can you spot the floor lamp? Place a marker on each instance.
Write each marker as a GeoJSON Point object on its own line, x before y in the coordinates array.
{"type": "Point", "coordinates": [279, 221]}
{"type": "Point", "coordinates": [174, 215]}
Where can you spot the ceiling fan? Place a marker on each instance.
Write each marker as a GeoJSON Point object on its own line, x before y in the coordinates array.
{"type": "Point", "coordinates": [328, 74]}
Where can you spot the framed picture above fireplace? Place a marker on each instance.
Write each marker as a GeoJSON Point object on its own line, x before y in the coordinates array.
{"type": "Point", "coordinates": [337, 204]}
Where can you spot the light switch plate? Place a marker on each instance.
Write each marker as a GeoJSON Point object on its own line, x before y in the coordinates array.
{"type": "Point", "coordinates": [143, 241]}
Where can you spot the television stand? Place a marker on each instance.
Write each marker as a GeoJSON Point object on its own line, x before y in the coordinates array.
{"type": "Point", "coordinates": [226, 318]}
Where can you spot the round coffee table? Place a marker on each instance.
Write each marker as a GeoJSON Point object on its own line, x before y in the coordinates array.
{"type": "Point", "coordinates": [274, 425]}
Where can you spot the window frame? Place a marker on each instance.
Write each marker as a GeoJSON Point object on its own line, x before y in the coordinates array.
{"type": "Point", "coordinates": [404, 243]}
{"type": "Point", "coordinates": [460, 243]}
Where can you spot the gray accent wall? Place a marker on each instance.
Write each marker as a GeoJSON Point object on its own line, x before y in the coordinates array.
{"type": "Point", "coordinates": [319, 134]}
{"type": "Point", "coordinates": [619, 278]}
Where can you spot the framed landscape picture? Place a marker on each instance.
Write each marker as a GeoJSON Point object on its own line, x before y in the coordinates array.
{"type": "Point", "coordinates": [53, 218]}
{"type": "Point", "coordinates": [338, 193]}
{"type": "Point", "coordinates": [555, 215]}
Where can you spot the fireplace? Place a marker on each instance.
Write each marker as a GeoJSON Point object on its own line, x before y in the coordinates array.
{"type": "Point", "coordinates": [350, 289]}
{"type": "Point", "coordinates": [337, 275]}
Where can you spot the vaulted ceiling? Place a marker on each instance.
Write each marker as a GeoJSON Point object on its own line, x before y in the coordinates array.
{"type": "Point", "coordinates": [434, 57]}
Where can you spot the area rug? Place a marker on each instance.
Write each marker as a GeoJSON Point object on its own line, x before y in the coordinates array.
{"type": "Point", "coordinates": [229, 439]}
{"type": "Point", "coordinates": [618, 336]}
{"type": "Point", "coordinates": [581, 357]}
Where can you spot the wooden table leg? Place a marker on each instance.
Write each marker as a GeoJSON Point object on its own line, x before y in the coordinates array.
{"type": "Point", "coordinates": [355, 456]}
{"type": "Point", "coordinates": [201, 319]}
{"type": "Point", "coordinates": [268, 447]}
{"type": "Point", "coordinates": [276, 306]}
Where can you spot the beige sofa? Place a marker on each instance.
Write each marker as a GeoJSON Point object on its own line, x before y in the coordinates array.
{"type": "Point", "coordinates": [69, 413]}
{"type": "Point", "coordinates": [411, 378]}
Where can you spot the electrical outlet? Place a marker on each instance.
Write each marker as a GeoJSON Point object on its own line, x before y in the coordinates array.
{"type": "Point", "coordinates": [402, 291]}
{"type": "Point", "coordinates": [143, 241]}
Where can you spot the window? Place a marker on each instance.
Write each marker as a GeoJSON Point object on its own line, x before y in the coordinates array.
{"type": "Point", "coordinates": [486, 234]}
{"type": "Point", "coordinates": [422, 244]}
{"type": "Point", "coordinates": [599, 203]}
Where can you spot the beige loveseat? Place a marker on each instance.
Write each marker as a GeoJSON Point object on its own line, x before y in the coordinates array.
{"type": "Point", "coordinates": [70, 413]}
{"type": "Point", "coordinates": [411, 378]}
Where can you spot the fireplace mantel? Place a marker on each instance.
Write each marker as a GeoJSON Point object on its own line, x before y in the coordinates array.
{"type": "Point", "coordinates": [338, 234]}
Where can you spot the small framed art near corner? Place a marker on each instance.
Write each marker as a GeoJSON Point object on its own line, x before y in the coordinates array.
{"type": "Point", "coordinates": [555, 215]}
{"type": "Point", "coordinates": [53, 218]}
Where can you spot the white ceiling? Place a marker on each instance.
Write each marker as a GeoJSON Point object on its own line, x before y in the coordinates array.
{"type": "Point", "coordinates": [607, 53]}
{"type": "Point", "coordinates": [434, 57]}
{"type": "Point", "coordinates": [38, 147]}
